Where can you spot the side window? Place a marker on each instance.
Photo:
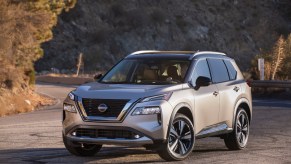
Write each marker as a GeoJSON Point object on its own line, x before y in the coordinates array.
{"type": "Point", "coordinates": [231, 70]}
{"type": "Point", "coordinates": [218, 70]}
{"type": "Point", "coordinates": [201, 69]}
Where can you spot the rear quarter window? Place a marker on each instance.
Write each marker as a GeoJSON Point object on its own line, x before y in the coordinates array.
{"type": "Point", "coordinates": [218, 70]}
{"type": "Point", "coordinates": [231, 70]}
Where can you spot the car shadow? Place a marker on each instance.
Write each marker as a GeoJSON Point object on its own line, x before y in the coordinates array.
{"type": "Point", "coordinates": [209, 150]}
{"type": "Point", "coordinates": [111, 154]}
{"type": "Point", "coordinates": [61, 155]}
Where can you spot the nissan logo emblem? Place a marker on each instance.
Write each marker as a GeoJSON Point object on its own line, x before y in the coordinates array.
{"type": "Point", "coordinates": [102, 108]}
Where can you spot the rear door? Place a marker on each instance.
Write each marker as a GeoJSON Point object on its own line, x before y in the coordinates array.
{"type": "Point", "coordinates": [232, 93]}
{"type": "Point", "coordinates": [224, 76]}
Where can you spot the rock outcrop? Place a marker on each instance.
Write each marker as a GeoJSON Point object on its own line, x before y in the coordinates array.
{"type": "Point", "coordinates": [107, 30]}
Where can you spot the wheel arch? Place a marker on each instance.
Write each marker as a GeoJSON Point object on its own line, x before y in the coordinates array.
{"type": "Point", "coordinates": [182, 108]}
{"type": "Point", "coordinates": [246, 105]}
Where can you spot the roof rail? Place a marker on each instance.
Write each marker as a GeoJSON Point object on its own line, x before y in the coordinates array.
{"type": "Point", "coordinates": [209, 52]}
{"type": "Point", "coordinates": [194, 53]}
{"type": "Point", "coordinates": [144, 52]}
{"type": "Point", "coordinates": [161, 52]}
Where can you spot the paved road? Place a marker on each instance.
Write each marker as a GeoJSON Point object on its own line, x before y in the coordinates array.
{"type": "Point", "coordinates": [36, 138]}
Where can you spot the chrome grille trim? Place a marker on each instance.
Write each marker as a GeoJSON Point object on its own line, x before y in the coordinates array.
{"type": "Point", "coordinates": [121, 115]}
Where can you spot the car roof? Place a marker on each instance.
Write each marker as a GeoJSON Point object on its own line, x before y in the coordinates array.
{"type": "Point", "coordinates": [175, 54]}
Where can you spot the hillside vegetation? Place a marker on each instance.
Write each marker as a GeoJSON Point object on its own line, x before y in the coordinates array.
{"type": "Point", "coordinates": [107, 30]}
{"type": "Point", "coordinates": [277, 61]}
{"type": "Point", "coordinates": [24, 25]}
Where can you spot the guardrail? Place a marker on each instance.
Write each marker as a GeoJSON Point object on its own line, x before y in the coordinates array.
{"type": "Point", "coordinates": [270, 83]}
{"type": "Point", "coordinates": [64, 80]}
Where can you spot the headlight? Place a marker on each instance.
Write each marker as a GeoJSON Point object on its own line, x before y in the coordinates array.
{"type": "Point", "coordinates": [158, 97]}
{"type": "Point", "coordinates": [69, 108]}
{"type": "Point", "coordinates": [71, 96]}
{"type": "Point", "coordinates": [146, 110]}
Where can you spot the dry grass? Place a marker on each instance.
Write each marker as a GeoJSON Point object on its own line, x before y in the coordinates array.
{"type": "Point", "coordinates": [26, 101]}
{"type": "Point", "coordinates": [278, 56]}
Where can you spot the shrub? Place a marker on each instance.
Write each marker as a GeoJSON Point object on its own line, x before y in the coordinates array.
{"type": "Point", "coordinates": [8, 83]}
{"type": "Point", "coordinates": [31, 76]}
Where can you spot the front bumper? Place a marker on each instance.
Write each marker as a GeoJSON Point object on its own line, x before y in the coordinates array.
{"type": "Point", "coordinates": [150, 128]}
{"type": "Point", "coordinates": [108, 135]}
{"type": "Point", "coordinates": [140, 141]}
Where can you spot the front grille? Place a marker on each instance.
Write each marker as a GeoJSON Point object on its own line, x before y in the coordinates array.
{"type": "Point", "coordinates": [114, 107]}
{"type": "Point", "coordinates": [105, 133]}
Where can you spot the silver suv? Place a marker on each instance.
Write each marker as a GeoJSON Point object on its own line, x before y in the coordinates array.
{"type": "Point", "coordinates": [162, 100]}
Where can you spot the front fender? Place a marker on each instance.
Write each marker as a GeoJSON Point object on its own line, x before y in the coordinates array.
{"type": "Point", "coordinates": [175, 110]}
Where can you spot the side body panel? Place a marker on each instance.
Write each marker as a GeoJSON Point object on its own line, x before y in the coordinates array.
{"type": "Point", "coordinates": [206, 107]}
{"type": "Point", "coordinates": [230, 93]}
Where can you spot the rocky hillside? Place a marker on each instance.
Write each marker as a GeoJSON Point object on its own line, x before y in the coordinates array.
{"type": "Point", "coordinates": [106, 30]}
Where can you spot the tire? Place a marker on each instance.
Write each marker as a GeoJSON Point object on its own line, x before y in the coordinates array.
{"type": "Point", "coordinates": [180, 143]}
{"type": "Point", "coordinates": [81, 149]}
{"type": "Point", "coordinates": [238, 138]}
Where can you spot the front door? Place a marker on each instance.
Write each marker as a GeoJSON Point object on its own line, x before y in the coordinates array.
{"type": "Point", "coordinates": [206, 99]}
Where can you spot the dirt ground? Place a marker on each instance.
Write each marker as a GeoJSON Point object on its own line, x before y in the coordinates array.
{"type": "Point", "coordinates": [24, 101]}
{"type": "Point", "coordinates": [28, 100]}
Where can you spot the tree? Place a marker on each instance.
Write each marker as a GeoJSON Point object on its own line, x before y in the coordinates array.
{"type": "Point", "coordinates": [24, 25]}
{"type": "Point", "coordinates": [285, 72]}
{"type": "Point", "coordinates": [278, 56]}
{"type": "Point", "coordinates": [277, 61]}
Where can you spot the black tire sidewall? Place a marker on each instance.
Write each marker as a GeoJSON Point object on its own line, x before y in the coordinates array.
{"type": "Point", "coordinates": [78, 150]}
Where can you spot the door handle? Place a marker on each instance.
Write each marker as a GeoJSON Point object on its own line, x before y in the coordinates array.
{"type": "Point", "coordinates": [236, 88]}
{"type": "Point", "coordinates": [215, 93]}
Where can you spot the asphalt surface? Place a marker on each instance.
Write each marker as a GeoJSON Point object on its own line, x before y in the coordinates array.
{"type": "Point", "coordinates": [35, 137]}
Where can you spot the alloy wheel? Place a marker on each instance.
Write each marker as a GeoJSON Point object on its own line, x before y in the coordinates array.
{"type": "Point", "coordinates": [242, 129]}
{"type": "Point", "coordinates": [181, 138]}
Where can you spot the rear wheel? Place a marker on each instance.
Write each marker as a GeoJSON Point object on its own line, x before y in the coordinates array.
{"type": "Point", "coordinates": [238, 139]}
{"type": "Point", "coordinates": [180, 140]}
{"type": "Point", "coordinates": [81, 149]}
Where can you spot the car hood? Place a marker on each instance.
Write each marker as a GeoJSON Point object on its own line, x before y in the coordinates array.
{"type": "Point", "coordinates": [122, 91]}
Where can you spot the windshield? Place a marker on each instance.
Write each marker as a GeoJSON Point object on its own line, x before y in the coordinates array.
{"type": "Point", "coordinates": [148, 71]}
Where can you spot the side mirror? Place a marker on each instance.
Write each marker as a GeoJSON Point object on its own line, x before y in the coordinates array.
{"type": "Point", "coordinates": [202, 82]}
{"type": "Point", "coordinates": [97, 77]}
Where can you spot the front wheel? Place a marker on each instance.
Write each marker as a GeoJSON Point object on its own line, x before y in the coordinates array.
{"type": "Point", "coordinates": [238, 139]}
{"type": "Point", "coordinates": [180, 140]}
{"type": "Point", "coordinates": [81, 149]}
